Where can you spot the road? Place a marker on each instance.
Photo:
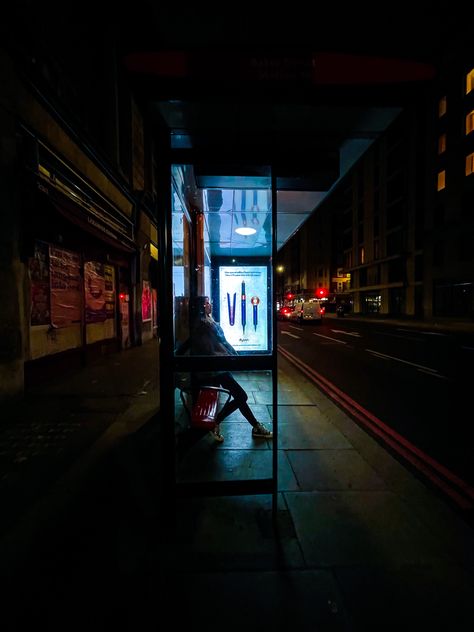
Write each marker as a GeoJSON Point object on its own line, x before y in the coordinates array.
{"type": "Point", "coordinates": [419, 383]}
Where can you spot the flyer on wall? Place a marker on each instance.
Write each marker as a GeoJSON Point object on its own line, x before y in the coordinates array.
{"type": "Point", "coordinates": [243, 306]}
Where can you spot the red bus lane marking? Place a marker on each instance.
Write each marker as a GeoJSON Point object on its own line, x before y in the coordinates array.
{"type": "Point", "coordinates": [399, 443]}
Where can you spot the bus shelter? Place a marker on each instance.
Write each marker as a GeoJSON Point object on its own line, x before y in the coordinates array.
{"type": "Point", "coordinates": [218, 245]}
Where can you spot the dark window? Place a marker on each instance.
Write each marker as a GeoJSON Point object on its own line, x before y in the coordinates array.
{"type": "Point", "coordinates": [419, 268]}
{"type": "Point", "coordinates": [438, 253]}
{"type": "Point", "coordinates": [396, 187]}
{"type": "Point", "coordinates": [438, 216]}
{"type": "Point", "coordinates": [376, 249]}
{"type": "Point", "coordinates": [395, 214]}
{"type": "Point", "coordinates": [396, 299]}
{"type": "Point", "coordinates": [395, 271]}
{"type": "Point", "coordinates": [466, 247]}
{"type": "Point", "coordinates": [394, 243]}
{"type": "Point", "coordinates": [454, 299]}
{"type": "Point", "coordinates": [347, 240]}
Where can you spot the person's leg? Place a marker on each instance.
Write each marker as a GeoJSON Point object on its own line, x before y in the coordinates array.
{"type": "Point", "coordinates": [239, 400]}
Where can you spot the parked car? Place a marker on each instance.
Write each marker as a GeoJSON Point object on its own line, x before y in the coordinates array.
{"type": "Point", "coordinates": [307, 312]}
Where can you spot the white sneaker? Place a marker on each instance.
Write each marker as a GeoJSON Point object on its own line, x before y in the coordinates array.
{"type": "Point", "coordinates": [217, 436]}
{"type": "Point", "coordinates": [260, 431]}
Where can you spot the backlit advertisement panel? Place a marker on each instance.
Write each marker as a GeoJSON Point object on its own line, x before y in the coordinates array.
{"type": "Point", "coordinates": [243, 306]}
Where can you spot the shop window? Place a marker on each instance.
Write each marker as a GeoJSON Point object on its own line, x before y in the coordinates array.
{"type": "Point", "coordinates": [442, 105]}
{"type": "Point", "coordinates": [441, 184]}
{"type": "Point", "coordinates": [371, 302]}
{"type": "Point", "coordinates": [442, 144]}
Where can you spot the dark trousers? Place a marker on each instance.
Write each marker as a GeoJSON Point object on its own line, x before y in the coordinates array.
{"type": "Point", "coordinates": [237, 401]}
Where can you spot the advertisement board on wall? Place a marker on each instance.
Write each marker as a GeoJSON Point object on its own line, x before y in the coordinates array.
{"type": "Point", "coordinates": [243, 306]}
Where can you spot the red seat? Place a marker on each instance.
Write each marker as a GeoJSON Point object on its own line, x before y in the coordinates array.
{"type": "Point", "coordinates": [204, 411]}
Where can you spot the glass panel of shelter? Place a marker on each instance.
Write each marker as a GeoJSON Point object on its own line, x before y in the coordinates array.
{"type": "Point", "coordinates": [224, 362]}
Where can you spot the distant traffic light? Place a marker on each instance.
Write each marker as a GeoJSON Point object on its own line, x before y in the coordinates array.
{"type": "Point", "coordinates": [321, 292]}
{"type": "Point", "coordinates": [289, 296]}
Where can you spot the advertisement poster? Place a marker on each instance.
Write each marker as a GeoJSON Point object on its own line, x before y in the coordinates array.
{"type": "Point", "coordinates": [243, 306]}
{"type": "Point", "coordinates": [109, 278]}
{"type": "Point", "coordinates": [39, 279]}
{"type": "Point", "coordinates": [94, 291]}
{"type": "Point", "coordinates": [146, 301]}
{"type": "Point", "coordinates": [154, 304]}
{"type": "Point", "coordinates": [65, 277]}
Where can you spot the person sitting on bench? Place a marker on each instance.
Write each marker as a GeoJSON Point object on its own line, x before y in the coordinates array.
{"type": "Point", "coordinates": [207, 338]}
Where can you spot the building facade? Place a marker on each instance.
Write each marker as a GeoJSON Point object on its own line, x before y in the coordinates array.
{"type": "Point", "coordinates": [79, 239]}
{"type": "Point", "coordinates": [395, 236]}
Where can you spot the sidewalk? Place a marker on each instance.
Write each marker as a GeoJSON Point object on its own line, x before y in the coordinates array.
{"type": "Point", "coordinates": [361, 543]}
{"type": "Point", "coordinates": [65, 426]}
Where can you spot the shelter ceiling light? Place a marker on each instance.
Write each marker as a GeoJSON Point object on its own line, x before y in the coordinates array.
{"type": "Point", "coordinates": [245, 230]}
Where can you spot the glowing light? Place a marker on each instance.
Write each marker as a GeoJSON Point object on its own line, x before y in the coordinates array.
{"type": "Point", "coordinates": [245, 230]}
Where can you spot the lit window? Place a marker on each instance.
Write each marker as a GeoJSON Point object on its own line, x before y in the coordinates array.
{"type": "Point", "coordinates": [470, 81]}
{"type": "Point", "coordinates": [441, 180]}
{"type": "Point", "coordinates": [442, 144]}
{"type": "Point", "coordinates": [442, 107]}
{"type": "Point", "coordinates": [469, 164]}
{"type": "Point", "coordinates": [361, 254]}
{"type": "Point", "coordinates": [469, 122]}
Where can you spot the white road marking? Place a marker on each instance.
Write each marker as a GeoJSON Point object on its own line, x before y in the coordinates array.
{"type": "Point", "coordinates": [430, 372]}
{"type": "Point", "coordinates": [425, 333]}
{"type": "Point", "coordinates": [383, 333]}
{"type": "Point", "coordinates": [287, 333]}
{"type": "Point", "coordinates": [297, 328]}
{"type": "Point", "coordinates": [418, 366]}
{"type": "Point", "coordinates": [348, 333]}
{"type": "Point", "coordinates": [341, 342]}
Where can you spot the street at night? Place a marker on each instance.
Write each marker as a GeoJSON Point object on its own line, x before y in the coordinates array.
{"type": "Point", "coordinates": [415, 380]}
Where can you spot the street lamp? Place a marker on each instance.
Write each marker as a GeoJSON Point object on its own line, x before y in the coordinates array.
{"type": "Point", "coordinates": [281, 283]}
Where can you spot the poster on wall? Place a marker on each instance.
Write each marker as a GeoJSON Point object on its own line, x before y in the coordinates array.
{"type": "Point", "coordinates": [94, 292]}
{"type": "Point", "coordinates": [146, 301]}
{"type": "Point", "coordinates": [154, 304]}
{"type": "Point", "coordinates": [109, 281]}
{"type": "Point", "coordinates": [65, 278]}
{"type": "Point", "coordinates": [243, 306]}
{"type": "Point", "coordinates": [39, 279]}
